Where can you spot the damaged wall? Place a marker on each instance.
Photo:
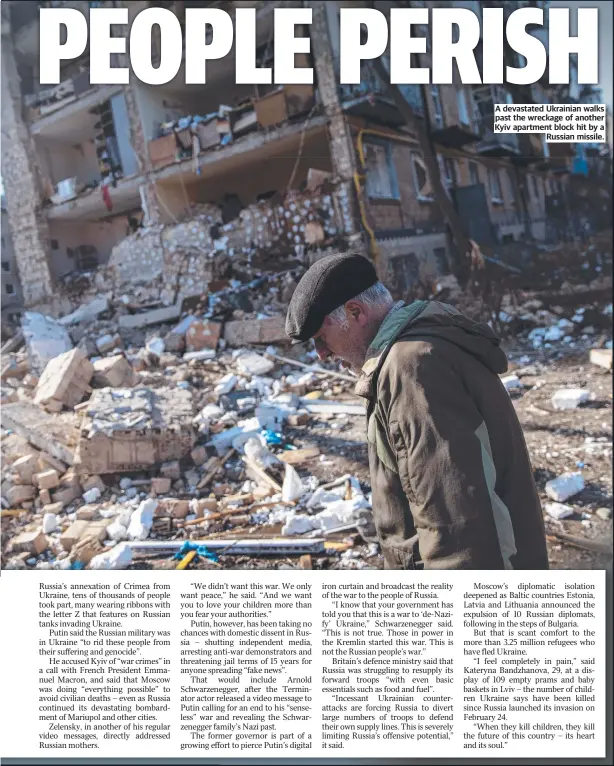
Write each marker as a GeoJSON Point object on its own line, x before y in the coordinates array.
{"type": "Point", "coordinates": [186, 256]}
{"type": "Point", "coordinates": [21, 175]}
{"type": "Point", "coordinates": [67, 237]}
{"type": "Point", "coordinates": [401, 260]}
{"type": "Point", "coordinates": [244, 177]}
{"type": "Point", "coordinates": [60, 159]}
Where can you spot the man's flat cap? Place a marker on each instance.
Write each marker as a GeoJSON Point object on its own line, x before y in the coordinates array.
{"type": "Point", "coordinates": [328, 284]}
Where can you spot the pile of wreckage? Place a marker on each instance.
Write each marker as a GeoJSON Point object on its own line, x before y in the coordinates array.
{"type": "Point", "coordinates": [164, 433]}
{"type": "Point", "coordinates": [114, 452]}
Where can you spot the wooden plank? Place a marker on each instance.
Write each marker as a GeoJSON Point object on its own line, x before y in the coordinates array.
{"type": "Point", "coordinates": [215, 468]}
{"type": "Point", "coordinates": [262, 474]}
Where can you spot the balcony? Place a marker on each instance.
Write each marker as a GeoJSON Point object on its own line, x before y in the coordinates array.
{"type": "Point", "coordinates": [370, 98]}
{"type": "Point", "coordinates": [493, 144]}
{"type": "Point", "coordinates": [533, 150]}
{"type": "Point", "coordinates": [457, 134]}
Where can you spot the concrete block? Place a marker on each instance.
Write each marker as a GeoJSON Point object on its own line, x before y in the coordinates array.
{"type": "Point", "coordinates": [114, 371]}
{"type": "Point", "coordinates": [160, 485]}
{"type": "Point", "coordinates": [254, 364]}
{"type": "Point", "coordinates": [157, 316]}
{"type": "Point", "coordinates": [30, 542]}
{"type": "Point", "coordinates": [203, 334]}
{"type": "Point", "coordinates": [47, 479]}
{"type": "Point", "coordinates": [125, 433]}
{"type": "Point", "coordinates": [65, 381]}
{"type": "Point", "coordinates": [73, 534]}
{"type": "Point", "coordinates": [20, 493]}
{"type": "Point", "coordinates": [178, 509]}
{"type": "Point", "coordinates": [26, 467]}
{"type": "Point", "coordinates": [242, 333]}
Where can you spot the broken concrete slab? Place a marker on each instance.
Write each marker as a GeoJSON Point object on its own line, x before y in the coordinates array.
{"type": "Point", "coordinates": [254, 364]}
{"type": "Point", "coordinates": [147, 318]}
{"type": "Point", "coordinates": [20, 493]}
{"type": "Point", "coordinates": [241, 333]}
{"type": "Point", "coordinates": [65, 381]}
{"type": "Point", "coordinates": [47, 479]}
{"type": "Point", "coordinates": [114, 371]}
{"type": "Point", "coordinates": [56, 434]}
{"type": "Point", "coordinates": [45, 339]}
{"type": "Point", "coordinates": [86, 313]}
{"type": "Point", "coordinates": [131, 429]}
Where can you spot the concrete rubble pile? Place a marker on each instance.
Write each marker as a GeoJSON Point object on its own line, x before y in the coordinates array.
{"type": "Point", "coordinates": [185, 432]}
{"type": "Point", "coordinates": [113, 449]}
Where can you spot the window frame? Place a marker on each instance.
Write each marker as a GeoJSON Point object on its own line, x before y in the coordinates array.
{"type": "Point", "coordinates": [474, 165]}
{"type": "Point", "coordinates": [420, 197]}
{"type": "Point", "coordinates": [392, 174]}
{"type": "Point", "coordinates": [496, 199]}
{"type": "Point", "coordinates": [436, 100]}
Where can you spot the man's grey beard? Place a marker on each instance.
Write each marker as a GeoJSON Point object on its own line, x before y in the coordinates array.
{"type": "Point", "coordinates": [355, 352]}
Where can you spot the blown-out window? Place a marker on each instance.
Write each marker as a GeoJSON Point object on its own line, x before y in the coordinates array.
{"type": "Point", "coordinates": [424, 191]}
{"type": "Point", "coordinates": [496, 195]}
{"type": "Point", "coordinates": [381, 175]}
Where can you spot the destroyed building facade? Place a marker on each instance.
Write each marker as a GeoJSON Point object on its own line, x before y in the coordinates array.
{"type": "Point", "coordinates": [165, 186]}
{"type": "Point", "coordinates": [12, 299]}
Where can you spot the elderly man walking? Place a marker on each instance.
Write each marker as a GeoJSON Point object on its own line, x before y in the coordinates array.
{"type": "Point", "coordinates": [451, 477]}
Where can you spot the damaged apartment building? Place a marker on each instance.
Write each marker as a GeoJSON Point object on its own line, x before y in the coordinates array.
{"type": "Point", "coordinates": [178, 186]}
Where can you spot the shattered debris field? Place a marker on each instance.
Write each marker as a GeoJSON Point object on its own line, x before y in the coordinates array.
{"type": "Point", "coordinates": [194, 437]}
